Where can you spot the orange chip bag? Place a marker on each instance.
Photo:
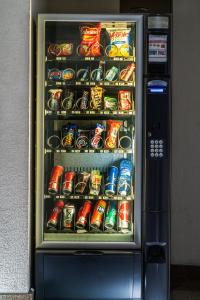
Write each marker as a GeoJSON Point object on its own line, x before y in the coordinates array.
{"type": "Point", "coordinates": [112, 133]}
{"type": "Point", "coordinates": [90, 44]}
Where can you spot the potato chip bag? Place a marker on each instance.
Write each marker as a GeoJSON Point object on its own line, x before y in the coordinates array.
{"type": "Point", "coordinates": [90, 43]}
{"type": "Point", "coordinates": [119, 42]}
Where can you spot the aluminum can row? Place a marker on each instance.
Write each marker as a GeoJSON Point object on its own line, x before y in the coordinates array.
{"type": "Point", "coordinates": [101, 210]}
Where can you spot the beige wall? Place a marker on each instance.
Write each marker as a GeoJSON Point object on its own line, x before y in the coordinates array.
{"type": "Point", "coordinates": [186, 133]}
{"type": "Point", "coordinates": [14, 150]}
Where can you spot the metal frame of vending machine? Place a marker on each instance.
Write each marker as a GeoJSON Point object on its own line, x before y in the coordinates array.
{"type": "Point", "coordinates": [106, 266]}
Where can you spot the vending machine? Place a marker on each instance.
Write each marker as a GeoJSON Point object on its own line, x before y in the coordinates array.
{"type": "Point", "coordinates": [102, 157]}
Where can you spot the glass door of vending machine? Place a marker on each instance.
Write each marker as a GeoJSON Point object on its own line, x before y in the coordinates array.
{"type": "Point", "coordinates": [89, 132]}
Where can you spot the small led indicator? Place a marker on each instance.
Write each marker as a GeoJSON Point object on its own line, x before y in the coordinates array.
{"type": "Point", "coordinates": [156, 90]}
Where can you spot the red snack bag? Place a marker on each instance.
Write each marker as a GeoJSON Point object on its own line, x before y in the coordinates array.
{"type": "Point", "coordinates": [125, 100]}
{"type": "Point", "coordinates": [90, 44]}
{"type": "Point", "coordinates": [112, 133]}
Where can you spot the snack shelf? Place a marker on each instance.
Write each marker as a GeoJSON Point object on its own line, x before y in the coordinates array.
{"type": "Point", "coordinates": [90, 83]}
{"type": "Point", "coordinates": [86, 236]}
{"type": "Point", "coordinates": [90, 112]}
{"type": "Point", "coordinates": [128, 151]}
{"type": "Point", "coordinates": [88, 58]}
{"type": "Point", "coordinates": [89, 197]}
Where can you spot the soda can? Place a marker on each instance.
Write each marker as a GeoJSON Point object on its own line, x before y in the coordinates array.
{"type": "Point", "coordinates": [111, 74]}
{"type": "Point", "coordinates": [97, 215]}
{"type": "Point", "coordinates": [68, 216]}
{"type": "Point", "coordinates": [54, 217]}
{"type": "Point", "coordinates": [68, 182]}
{"type": "Point", "coordinates": [111, 215]}
{"type": "Point", "coordinates": [54, 181]}
{"type": "Point", "coordinates": [83, 214]}
{"type": "Point", "coordinates": [111, 181]}
{"type": "Point", "coordinates": [123, 215]}
{"type": "Point", "coordinates": [124, 181]}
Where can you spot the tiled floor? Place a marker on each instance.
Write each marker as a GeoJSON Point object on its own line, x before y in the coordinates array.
{"type": "Point", "coordinates": [185, 284]}
{"type": "Point", "coordinates": [175, 295]}
{"type": "Point", "coordinates": [185, 295]}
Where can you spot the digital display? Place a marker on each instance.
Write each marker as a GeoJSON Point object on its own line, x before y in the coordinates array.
{"type": "Point", "coordinates": [157, 48]}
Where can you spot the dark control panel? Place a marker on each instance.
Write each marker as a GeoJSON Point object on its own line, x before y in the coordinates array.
{"type": "Point", "coordinates": [157, 123]}
{"type": "Point", "coordinates": [157, 104]}
{"type": "Point", "coordinates": [157, 111]}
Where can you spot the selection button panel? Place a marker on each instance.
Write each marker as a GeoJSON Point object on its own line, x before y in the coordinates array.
{"type": "Point", "coordinates": [156, 149]}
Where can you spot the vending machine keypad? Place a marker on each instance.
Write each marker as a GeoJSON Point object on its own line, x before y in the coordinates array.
{"type": "Point", "coordinates": [156, 148]}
